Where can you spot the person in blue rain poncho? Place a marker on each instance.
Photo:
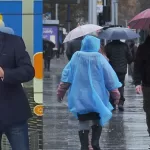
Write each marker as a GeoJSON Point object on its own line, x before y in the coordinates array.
{"type": "Point", "coordinates": [90, 80]}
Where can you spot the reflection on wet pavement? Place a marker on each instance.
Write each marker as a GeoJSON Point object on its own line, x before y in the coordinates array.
{"type": "Point", "coordinates": [125, 131]}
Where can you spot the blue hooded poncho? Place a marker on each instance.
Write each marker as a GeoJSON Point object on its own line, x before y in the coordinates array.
{"type": "Point", "coordinates": [91, 78]}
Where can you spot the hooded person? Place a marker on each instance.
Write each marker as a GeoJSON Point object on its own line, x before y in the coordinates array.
{"type": "Point", "coordinates": [90, 80]}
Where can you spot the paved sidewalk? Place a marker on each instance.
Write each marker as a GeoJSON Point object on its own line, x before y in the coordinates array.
{"type": "Point", "coordinates": [126, 131]}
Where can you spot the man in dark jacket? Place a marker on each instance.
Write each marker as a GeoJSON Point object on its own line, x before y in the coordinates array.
{"type": "Point", "coordinates": [15, 68]}
{"type": "Point", "coordinates": [142, 76]}
{"type": "Point", "coordinates": [119, 56]}
{"type": "Point", "coordinates": [73, 46]}
{"type": "Point", "coordinates": [48, 53]}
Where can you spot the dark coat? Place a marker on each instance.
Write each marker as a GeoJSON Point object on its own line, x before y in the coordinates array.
{"type": "Point", "coordinates": [72, 47]}
{"type": "Point", "coordinates": [119, 56]}
{"type": "Point", "coordinates": [15, 61]}
{"type": "Point", "coordinates": [48, 49]}
{"type": "Point", "coordinates": [142, 64]}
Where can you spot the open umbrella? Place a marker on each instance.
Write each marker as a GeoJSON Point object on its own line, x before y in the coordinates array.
{"type": "Point", "coordinates": [117, 33]}
{"type": "Point", "coordinates": [45, 41]}
{"type": "Point", "coordinates": [141, 21]}
{"type": "Point", "coordinates": [81, 31]}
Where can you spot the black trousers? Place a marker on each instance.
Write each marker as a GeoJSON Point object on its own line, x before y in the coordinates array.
{"type": "Point", "coordinates": [121, 77]}
{"type": "Point", "coordinates": [47, 63]}
{"type": "Point", "coordinates": [146, 105]}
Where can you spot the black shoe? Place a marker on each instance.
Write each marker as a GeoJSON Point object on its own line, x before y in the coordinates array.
{"type": "Point", "coordinates": [120, 106]}
{"type": "Point", "coordinates": [84, 140]}
{"type": "Point", "coordinates": [96, 133]}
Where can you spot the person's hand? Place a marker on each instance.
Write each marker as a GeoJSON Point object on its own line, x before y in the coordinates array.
{"type": "Point", "coordinates": [1, 73]}
{"type": "Point", "coordinates": [116, 102]}
{"type": "Point", "coordinates": [138, 89]}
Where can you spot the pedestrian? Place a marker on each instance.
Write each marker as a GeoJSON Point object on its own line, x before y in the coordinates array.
{"type": "Point", "coordinates": [48, 53]}
{"type": "Point", "coordinates": [73, 46]}
{"type": "Point", "coordinates": [89, 78]}
{"type": "Point", "coordinates": [102, 50]}
{"type": "Point", "coordinates": [133, 49]}
{"type": "Point", "coordinates": [119, 56]}
{"type": "Point", "coordinates": [15, 69]}
{"type": "Point", "coordinates": [142, 76]}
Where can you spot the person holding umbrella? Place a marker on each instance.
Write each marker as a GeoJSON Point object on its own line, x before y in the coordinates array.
{"type": "Point", "coordinates": [142, 62]}
{"type": "Point", "coordinates": [119, 55]}
{"type": "Point", "coordinates": [89, 78]}
{"type": "Point", "coordinates": [48, 53]}
{"type": "Point", "coordinates": [75, 37]}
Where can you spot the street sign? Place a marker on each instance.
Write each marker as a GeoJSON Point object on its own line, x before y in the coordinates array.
{"type": "Point", "coordinates": [62, 1]}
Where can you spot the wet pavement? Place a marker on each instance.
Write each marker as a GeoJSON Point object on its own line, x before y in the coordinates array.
{"type": "Point", "coordinates": [125, 131]}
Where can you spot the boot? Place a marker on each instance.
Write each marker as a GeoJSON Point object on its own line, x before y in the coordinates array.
{"type": "Point", "coordinates": [84, 140]}
{"type": "Point", "coordinates": [96, 133]}
{"type": "Point", "coordinates": [120, 106]}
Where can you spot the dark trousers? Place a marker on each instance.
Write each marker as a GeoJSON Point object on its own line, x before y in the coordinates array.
{"type": "Point", "coordinates": [121, 77]}
{"type": "Point", "coordinates": [47, 63]}
{"type": "Point", "coordinates": [17, 136]}
{"type": "Point", "coordinates": [146, 105]}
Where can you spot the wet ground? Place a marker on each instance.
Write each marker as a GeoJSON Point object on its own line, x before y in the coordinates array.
{"type": "Point", "coordinates": [126, 131]}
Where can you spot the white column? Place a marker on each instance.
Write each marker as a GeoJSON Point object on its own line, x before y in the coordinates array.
{"type": "Point", "coordinates": [27, 25]}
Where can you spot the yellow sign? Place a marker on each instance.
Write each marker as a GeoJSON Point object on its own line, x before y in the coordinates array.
{"type": "Point", "coordinates": [1, 17]}
{"type": "Point", "coordinates": [38, 110]}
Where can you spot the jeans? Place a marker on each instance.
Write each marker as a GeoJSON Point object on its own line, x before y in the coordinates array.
{"type": "Point", "coordinates": [17, 136]}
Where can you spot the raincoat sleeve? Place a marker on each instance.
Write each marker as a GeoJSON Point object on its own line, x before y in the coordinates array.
{"type": "Point", "coordinates": [62, 89]}
{"type": "Point", "coordinates": [115, 94]}
{"type": "Point", "coordinates": [110, 78]}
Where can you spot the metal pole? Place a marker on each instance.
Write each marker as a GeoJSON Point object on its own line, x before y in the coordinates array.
{"type": "Point", "coordinates": [112, 12]}
{"type": "Point", "coordinates": [116, 12]}
{"type": "Point", "coordinates": [94, 12]}
{"type": "Point", "coordinates": [90, 11]}
{"type": "Point", "coordinates": [105, 3]}
{"type": "Point", "coordinates": [56, 17]}
{"type": "Point", "coordinates": [68, 17]}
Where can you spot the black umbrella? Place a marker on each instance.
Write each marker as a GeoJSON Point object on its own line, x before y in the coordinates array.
{"type": "Point", "coordinates": [45, 41]}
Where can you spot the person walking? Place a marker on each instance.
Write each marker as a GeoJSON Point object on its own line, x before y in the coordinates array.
{"type": "Point", "coordinates": [73, 46]}
{"type": "Point", "coordinates": [119, 56]}
{"type": "Point", "coordinates": [142, 76]}
{"type": "Point", "coordinates": [89, 78]}
{"type": "Point", "coordinates": [48, 53]}
{"type": "Point", "coordinates": [133, 49]}
{"type": "Point", "coordinates": [15, 69]}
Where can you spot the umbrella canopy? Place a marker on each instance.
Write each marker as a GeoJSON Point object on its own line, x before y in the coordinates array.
{"type": "Point", "coordinates": [117, 33]}
{"type": "Point", "coordinates": [141, 21]}
{"type": "Point", "coordinates": [45, 41]}
{"type": "Point", "coordinates": [81, 31]}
